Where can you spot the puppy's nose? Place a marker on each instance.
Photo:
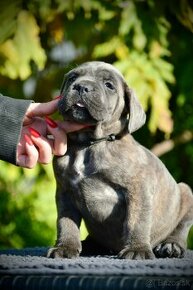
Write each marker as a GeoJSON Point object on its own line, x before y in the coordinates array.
{"type": "Point", "coordinates": [80, 88]}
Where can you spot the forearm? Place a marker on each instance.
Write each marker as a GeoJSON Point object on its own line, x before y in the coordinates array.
{"type": "Point", "coordinates": [12, 112]}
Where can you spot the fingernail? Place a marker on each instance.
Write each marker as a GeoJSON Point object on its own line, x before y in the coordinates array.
{"type": "Point", "coordinates": [51, 122]}
{"type": "Point", "coordinates": [28, 139]}
{"type": "Point", "coordinates": [57, 97]}
{"type": "Point", "coordinates": [34, 132]}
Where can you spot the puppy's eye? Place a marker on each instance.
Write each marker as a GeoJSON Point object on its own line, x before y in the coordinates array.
{"type": "Point", "coordinates": [72, 77]}
{"type": "Point", "coordinates": [109, 85]}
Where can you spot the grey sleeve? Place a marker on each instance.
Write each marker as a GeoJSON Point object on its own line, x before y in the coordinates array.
{"type": "Point", "coordinates": [12, 112]}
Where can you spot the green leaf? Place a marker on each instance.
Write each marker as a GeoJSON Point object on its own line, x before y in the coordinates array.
{"type": "Point", "coordinates": [106, 48]}
{"type": "Point", "coordinates": [165, 69]}
{"type": "Point", "coordinates": [8, 16]}
{"type": "Point", "coordinates": [22, 49]}
{"type": "Point", "coordinates": [128, 18]}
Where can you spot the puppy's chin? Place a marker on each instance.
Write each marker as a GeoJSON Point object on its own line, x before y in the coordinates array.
{"type": "Point", "coordinates": [79, 115]}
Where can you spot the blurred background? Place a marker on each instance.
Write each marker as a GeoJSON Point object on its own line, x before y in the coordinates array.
{"type": "Point", "coordinates": [150, 42]}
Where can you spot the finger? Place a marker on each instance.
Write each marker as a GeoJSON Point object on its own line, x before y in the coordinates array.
{"type": "Point", "coordinates": [59, 143]}
{"type": "Point", "coordinates": [71, 127]}
{"type": "Point", "coordinates": [44, 149]}
{"type": "Point", "coordinates": [30, 158]}
{"type": "Point", "coordinates": [42, 109]}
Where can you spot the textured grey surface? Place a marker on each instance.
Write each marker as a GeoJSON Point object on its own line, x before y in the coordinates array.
{"type": "Point", "coordinates": [33, 261]}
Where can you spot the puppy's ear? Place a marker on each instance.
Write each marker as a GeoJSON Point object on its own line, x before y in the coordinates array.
{"type": "Point", "coordinates": [136, 115]}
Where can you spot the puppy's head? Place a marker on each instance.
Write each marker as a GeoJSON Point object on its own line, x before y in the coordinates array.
{"type": "Point", "coordinates": [96, 93]}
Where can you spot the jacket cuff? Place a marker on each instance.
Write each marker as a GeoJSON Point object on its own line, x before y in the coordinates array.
{"type": "Point", "coordinates": [12, 112]}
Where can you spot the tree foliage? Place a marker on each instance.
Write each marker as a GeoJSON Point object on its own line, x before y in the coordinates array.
{"type": "Point", "coordinates": [150, 42]}
{"type": "Point", "coordinates": [17, 53]}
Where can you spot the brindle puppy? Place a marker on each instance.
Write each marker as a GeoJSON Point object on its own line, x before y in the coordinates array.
{"type": "Point", "coordinates": [129, 201]}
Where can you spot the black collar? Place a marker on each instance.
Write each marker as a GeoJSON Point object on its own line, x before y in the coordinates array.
{"type": "Point", "coordinates": [91, 141]}
{"type": "Point", "coordinates": [110, 138]}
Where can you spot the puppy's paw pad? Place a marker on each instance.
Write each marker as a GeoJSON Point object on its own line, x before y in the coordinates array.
{"type": "Point", "coordinates": [141, 254]}
{"type": "Point", "coordinates": [63, 252]}
{"type": "Point", "coordinates": [169, 250]}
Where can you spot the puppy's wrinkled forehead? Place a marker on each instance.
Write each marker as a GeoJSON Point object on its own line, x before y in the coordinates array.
{"type": "Point", "coordinates": [97, 70]}
{"type": "Point", "coordinates": [98, 66]}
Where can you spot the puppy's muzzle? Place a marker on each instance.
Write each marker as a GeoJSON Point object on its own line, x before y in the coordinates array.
{"type": "Point", "coordinates": [84, 101]}
{"type": "Point", "coordinates": [81, 89]}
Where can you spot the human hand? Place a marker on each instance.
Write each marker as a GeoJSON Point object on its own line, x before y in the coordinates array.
{"type": "Point", "coordinates": [35, 145]}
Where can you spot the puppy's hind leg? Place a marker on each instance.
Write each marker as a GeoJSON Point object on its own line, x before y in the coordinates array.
{"type": "Point", "coordinates": [175, 244]}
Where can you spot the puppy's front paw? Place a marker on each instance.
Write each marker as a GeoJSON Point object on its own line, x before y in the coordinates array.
{"type": "Point", "coordinates": [65, 250]}
{"type": "Point", "coordinates": [136, 254]}
{"type": "Point", "coordinates": [169, 250]}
